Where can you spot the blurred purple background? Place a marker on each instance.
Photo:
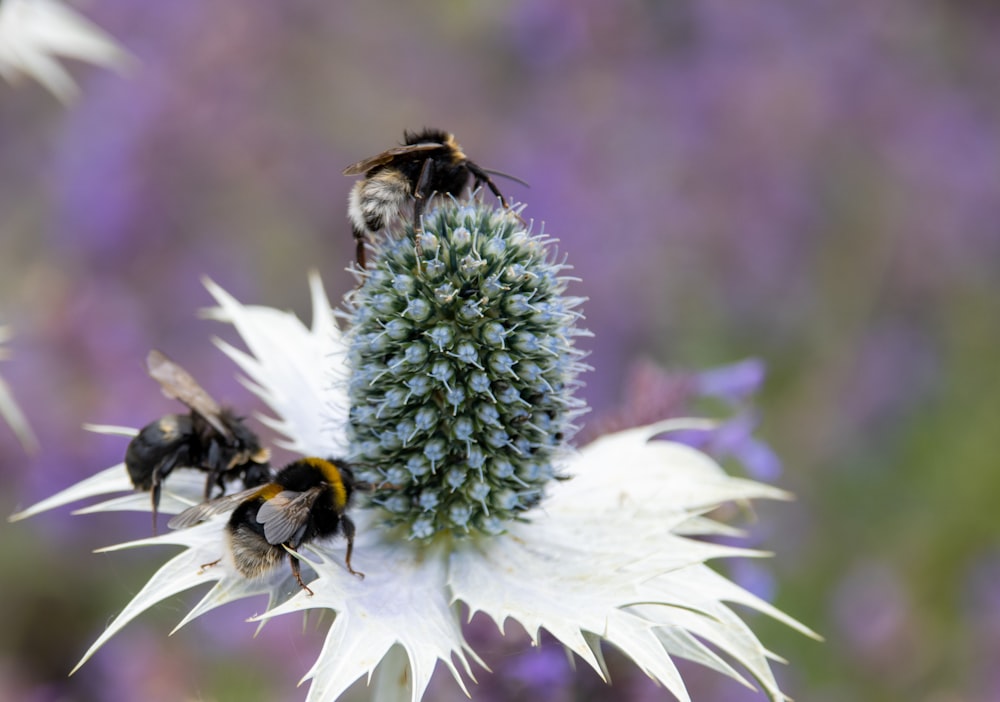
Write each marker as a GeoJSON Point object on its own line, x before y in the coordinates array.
{"type": "Point", "coordinates": [814, 184]}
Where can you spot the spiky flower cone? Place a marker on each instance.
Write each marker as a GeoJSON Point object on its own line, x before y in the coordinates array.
{"type": "Point", "coordinates": [462, 371]}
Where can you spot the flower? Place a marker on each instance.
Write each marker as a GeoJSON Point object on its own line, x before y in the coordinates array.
{"type": "Point", "coordinates": [9, 409]}
{"type": "Point", "coordinates": [596, 545]}
{"type": "Point", "coordinates": [34, 32]}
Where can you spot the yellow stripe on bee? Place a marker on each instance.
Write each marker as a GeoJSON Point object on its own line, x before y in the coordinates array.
{"type": "Point", "coordinates": [332, 475]}
{"type": "Point", "coordinates": [268, 491]}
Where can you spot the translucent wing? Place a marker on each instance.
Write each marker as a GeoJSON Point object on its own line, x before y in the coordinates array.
{"type": "Point", "coordinates": [387, 156]}
{"type": "Point", "coordinates": [220, 505]}
{"type": "Point", "coordinates": [285, 515]}
{"type": "Point", "coordinates": [178, 384]}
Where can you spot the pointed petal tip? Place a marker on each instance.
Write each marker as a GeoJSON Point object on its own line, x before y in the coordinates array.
{"type": "Point", "coordinates": [315, 280]}
{"type": "Point", "coordinates": [222, 298]}
{"type": "Point", "coordinates": [648, 432]}
{"type": "Point", "coordinates": [110, 480]}
{"type": "Point", "coordinates": [110, 429]}
{"type": "Point", "coordinates": [123, 546]}
{"type": "Point", "coordinates": [677, 424]}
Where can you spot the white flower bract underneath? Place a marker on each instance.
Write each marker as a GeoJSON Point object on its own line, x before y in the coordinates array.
{"type": "Point", "coordinates": [608, 557]}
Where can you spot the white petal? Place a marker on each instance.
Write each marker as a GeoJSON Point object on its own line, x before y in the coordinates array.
{"type": "Point", "coordinates": [204, 544]}
{"type": "Point", "coordinates": [109, 480]}
{"type": "Point", "coordinates": [649, 477]}
{"type": "Point", "coordinates": [300, 373]}
{"type": "Point", "coordinates": [402, 601]}
{"type": "Point", "coordinates": [606, 560]}
{"type": "Point", "coordinates": [184, 487]}
{"type": "Point", "coordinates": [34, 32]}
{"type": "Point", "coordinates": [705, 591]}
{"type": "Point", "coordinates": [61, 31]}
{"type": "Point", "coordinates": [111, 429]}
{"type": "Point", "coordinates": [391, 680]}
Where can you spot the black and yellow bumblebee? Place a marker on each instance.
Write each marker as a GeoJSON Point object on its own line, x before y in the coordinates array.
{"type": "Point", "coordinates": [209, 438]}
{"type": "Point", "coordinates": [429, 162]}
{"type": "Point", "coordinates": [307, 501]}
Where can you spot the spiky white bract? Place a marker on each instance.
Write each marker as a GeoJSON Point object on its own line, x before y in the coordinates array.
{"type": "Point", "coordinates": [204, 560]}
{"type": "Point", "coordinates": [402, 602]}
{"type": "Point", "coordinates": [34, 32]}
{"type": "Point", "coordinates": [611, 555]}
{"type": "Point", "coordinates": [184, 489]}
{"type": "Point", "coordinates": [300, 373]}
{"type": "Point", "coordinates": [612, 559]}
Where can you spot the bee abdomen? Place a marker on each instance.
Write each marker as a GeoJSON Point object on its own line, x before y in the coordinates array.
{"type": "Point", "coordinates": [164, 440]}
{"type": "Point", "coordinates": [253, 556]}
{"type": "Point", "coordinates": [377, 200]}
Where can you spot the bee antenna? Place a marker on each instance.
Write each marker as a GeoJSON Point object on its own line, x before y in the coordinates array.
{"type": "Point", "coordinates": [505, 175]}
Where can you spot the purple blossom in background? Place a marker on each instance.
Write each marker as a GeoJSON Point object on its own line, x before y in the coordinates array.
{"type": "Point", "coordinates": [544, 670]}
{"type": "Point", "coordinates": [652, 394]}
{"type": "Point", "coordinates": [735, 439]}
{"type": "Point", "coordinates": [735, 383]}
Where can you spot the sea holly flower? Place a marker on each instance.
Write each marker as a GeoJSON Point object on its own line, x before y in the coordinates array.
{"type": "Point", "coordinates": [34, 32]}
{"type": "Point", "coordinates": [451, 391]}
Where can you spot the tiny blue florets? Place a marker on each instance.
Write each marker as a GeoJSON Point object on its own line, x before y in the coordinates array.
{"type": "Point", "coordinates": [463, 371]}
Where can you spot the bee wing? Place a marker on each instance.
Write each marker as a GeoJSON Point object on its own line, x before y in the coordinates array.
{"type": "Point", "coordinates": [284, 516]}
{"type": "Point", "coordinates": [178, 384]}
{"type": "Point", "coordinates": [199, 513]}
{"type": "Point", "coordinates": [387, 156]}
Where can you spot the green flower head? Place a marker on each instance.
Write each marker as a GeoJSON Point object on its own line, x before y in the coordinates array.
{"type": "Point", "coordinates": [463, 368]}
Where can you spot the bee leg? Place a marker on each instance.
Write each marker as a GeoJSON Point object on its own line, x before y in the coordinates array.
{"type": "Point", "coordinates": [297, 572]}
{"type": "Point", "coordinates": [348, 526]}
{"type": "Point", "coordinates": [210, 480]}
{"type": "Point", "coordinates": [204, 566]}
{"type": "Point", "coordinates": [483, 178]}
{"type": "Point", "coordinates": [211, 465]}
{"type": "Point", "coordinates": [422, 193]}
{"type": "Point", "coordinates": [160, 473]}
{"type": "Point", "coordinates": [220, 482]}
{"type": "Point", "coordinates": [154, 496]}
{"type": "Point", "coordinates": [359, 247]}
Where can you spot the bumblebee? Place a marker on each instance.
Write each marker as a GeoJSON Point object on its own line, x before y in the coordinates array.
{"type": "Point", "coordinates": [209, 438]}
{"type": "Point", "coordinates": [430, 162]}
{"type": "Point", "coordinates": [307, 501]}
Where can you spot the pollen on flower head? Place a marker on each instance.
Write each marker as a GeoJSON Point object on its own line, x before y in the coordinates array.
{"type": "Point", "coordinates": [463, 369]}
